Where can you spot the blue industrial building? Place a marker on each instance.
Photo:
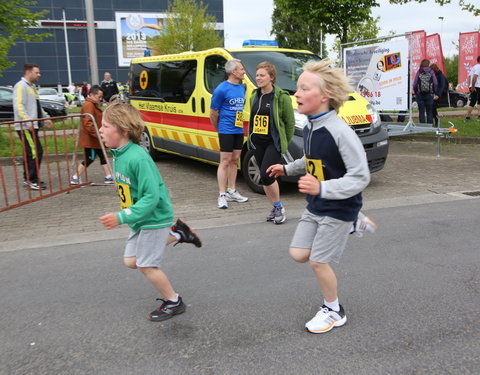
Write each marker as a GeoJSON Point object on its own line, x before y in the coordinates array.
{"type": "Point", "coordinates": [50, 54]}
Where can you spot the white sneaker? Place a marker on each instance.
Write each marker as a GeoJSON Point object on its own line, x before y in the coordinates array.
{"type": "Point", "coordinates": [222, 201]}
{"type": "Point", "coordinates": [75, 180]}
{"type": "Point", "coordinates": [235, 196]}
{"type": "Point", "coordinates": [364, 224]}
{"type": "Point", "coordinates": [326, 319]}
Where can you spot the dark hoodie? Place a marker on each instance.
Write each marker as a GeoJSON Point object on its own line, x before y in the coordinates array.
{"type": "Point", "coordinates": [434, 78]}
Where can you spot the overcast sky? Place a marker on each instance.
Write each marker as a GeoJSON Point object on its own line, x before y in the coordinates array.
{"type": "Point", "coordinates": [251, 19]}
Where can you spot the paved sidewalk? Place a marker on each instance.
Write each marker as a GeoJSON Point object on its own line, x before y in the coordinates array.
{"type": "Point", "coordinates": [413, 175]}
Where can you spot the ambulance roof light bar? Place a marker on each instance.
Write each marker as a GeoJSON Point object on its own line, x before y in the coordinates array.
{"type": "Point", "coordinates": [259, 43]}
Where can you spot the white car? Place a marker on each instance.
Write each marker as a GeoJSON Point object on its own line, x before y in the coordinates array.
{"type": "Point", "coordinates": [51, 94]}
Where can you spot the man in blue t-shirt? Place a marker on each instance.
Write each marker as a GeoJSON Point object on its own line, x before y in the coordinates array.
{"type": "Point", "coordinates": [226, 115]}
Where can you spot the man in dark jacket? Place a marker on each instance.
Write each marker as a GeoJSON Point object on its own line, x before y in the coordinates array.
{"type": "Point", "coordinates": [109, 87]}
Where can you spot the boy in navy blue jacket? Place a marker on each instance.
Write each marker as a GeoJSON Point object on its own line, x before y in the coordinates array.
{"type": "Point", "coordinates": [336, 173]}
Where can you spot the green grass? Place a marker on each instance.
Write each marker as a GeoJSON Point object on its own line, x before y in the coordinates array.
{"type": "Point", "coordinates": [53, 144]}
{"type": "Point", "coordinates": [465, 129]}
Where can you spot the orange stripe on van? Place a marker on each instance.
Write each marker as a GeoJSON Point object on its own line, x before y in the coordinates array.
{"type": "Point", "coordinates": [200, 141]}
{"type": "Point", "coordinates": [164, 133]}
{"type": "Point", "coordinates": [175, 136]}
{"type": "Point", "coordinates": [214, 144]}
{"type": "Point", "coordinates": [188, 139]}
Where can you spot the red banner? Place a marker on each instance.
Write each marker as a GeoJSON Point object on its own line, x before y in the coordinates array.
{"type": "Point", "coordinates": [434, 51]}
{"type": "Point", "coordinates": [418, 41]}
{"type": "Point", "coordinates": [467, 57]}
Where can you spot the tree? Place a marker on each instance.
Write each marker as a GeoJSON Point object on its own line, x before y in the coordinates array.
{"type": "Point", "coordinates": [475, 10]}
{"type": "Point", "coordinates": [14, 22]}
{"type": "Point", "coordinates": [187, 28]}
{"type": "Point", "coordinates": [451, 68]}
{"type": "Point", "coordinates": [368, 29]}
{"type": "Point", "coordinates": [296, 23]}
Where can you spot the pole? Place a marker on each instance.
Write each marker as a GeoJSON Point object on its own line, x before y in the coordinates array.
{"type": "Point", "coordinates": [92, 42]}
{"type": "Point", "coordinates": [66, 48]}
{"type": "Point", "coordinates": [321, 44]}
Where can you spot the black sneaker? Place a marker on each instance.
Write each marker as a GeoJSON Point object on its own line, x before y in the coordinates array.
{"type": "Point", "coordinates": [187, 235]}
{"type": "Point", "coordinates": [167, 310]}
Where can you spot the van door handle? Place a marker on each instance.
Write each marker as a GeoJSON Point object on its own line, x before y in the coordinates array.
{"type": "Point", "coordinates": [194, 106]}
{"type": "Point", "coordinates": [202, 105]}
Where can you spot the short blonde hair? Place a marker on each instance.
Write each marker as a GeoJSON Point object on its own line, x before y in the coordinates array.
{"type": "Point", "coordinates": [331, 81]}
{"type": "Point", "coordinates": [125, 117]}
{"type": "Point", "coordinates": [270, 68]}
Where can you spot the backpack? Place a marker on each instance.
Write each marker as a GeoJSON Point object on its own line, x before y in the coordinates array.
{"type": "Point", "coordinates": [425, 83]}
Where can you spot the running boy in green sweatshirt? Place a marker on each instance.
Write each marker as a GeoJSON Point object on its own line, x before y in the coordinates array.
{"type": "Point", "coordinates": [145, 206]}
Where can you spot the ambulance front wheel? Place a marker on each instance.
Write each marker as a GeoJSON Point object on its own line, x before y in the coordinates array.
{"type": "Point", "coordinates": [146, 143]}
{"type": "Point", "coordinates": [251, 172]}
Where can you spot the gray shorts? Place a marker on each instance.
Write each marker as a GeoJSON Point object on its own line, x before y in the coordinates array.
{"type": "Point", "coordinates": [324, 235]}
{"type": "Point", "coordinates": [148, 246]}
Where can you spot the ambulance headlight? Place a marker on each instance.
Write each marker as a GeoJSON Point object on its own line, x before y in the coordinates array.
{"type": "Point", "coordinates": [300, 120]}
{"type": "Point", "coordinates": [375, 116]}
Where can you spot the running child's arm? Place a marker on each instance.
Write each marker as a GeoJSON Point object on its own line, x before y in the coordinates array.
{"type": "Point", "coordinates": [357, 177]}
{"type": "Point", "coordinates": [148, 183]}
{"type": "Point", "coordinates": [109, 220]}
{"type": "Point", "coordinates": [294, 168]}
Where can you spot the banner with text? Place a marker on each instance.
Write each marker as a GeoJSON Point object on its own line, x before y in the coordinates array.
{"type": "Point", "coordinates": [419, 51]}
{"type": "Point", "coordinates": [435, 52]}
{"type": "Point", "coordinates": [135, 32]}
{"type": "Point", "coordinates": [469, 50]}
{"type": "Point", "coordinates": [379, 73]}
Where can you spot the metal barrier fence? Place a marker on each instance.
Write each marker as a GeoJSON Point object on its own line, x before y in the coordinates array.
{"type": "Point", "coordinates": [50, 155]}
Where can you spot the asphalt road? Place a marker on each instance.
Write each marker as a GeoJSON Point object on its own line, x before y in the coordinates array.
{"type": "Point", "coordinates": [411, 292]}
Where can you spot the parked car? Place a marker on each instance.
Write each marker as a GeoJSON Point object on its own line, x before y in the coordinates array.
{"type": "Point", "coordinates": [53, 108]}
{"type": "Point", "coordinates": [47, 93]}
{"type": "Point", "coordinates": [457, 99]}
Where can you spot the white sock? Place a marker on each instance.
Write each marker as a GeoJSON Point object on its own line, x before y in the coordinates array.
{"type": "Point", "coordinates": [231, 190]}
{"type": "Point", "coordinates": [176, 235]}
{"type": "Point", "coordinates": [335, 306]}
{"type": "Point", "coordinates": [108, 176]}
{"type": "Point", "coordinates": [174, 300]}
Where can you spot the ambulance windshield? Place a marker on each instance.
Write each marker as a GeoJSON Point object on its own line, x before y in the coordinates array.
{"type": "Point", "coordinates": [288, 65]}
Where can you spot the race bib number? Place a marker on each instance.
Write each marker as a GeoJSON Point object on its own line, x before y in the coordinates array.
{"type": "Point", "coordinates": [239, 119]}
{"type": "Point", "coordinates": [124, 195]}
{"type": "Point", "coordinates": [260, 124]}
{"type": "Point", "coordinates": [315, 168]}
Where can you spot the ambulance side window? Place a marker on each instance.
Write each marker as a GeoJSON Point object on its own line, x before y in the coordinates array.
{"type": "Point", "coordinates": [214, 72]}
{"type": "Point", "coordinates": [177, 80]}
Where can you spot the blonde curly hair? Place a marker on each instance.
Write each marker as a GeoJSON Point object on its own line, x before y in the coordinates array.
{"type": "Point", "coordinates": [125, 117]}
{"type": "Point", "coordinates": [331, 81]}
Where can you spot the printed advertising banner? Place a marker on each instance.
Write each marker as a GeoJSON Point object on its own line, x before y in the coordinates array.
{"type": "Point", "coordinates": [467, 57]}
{"type": "Point", "coordinates": [135, 32]}
{"type": "Point", "coordinates": [419, 51]}
{"type": "Point", "coordinates": [435, 52]}
{"type": "Point", "coordinates": [379, 73]}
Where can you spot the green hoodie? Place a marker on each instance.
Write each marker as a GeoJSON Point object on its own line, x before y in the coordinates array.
{"type": "Point", "coordinates": [144, 198]}
{"type": "Point", "coordinates": [283, 116]}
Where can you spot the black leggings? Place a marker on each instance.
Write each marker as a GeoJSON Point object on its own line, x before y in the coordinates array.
{"type": "Point", "coordinates": [266, 155]}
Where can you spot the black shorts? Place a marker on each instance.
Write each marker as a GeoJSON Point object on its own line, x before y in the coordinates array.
{"type": "Point", "coordinates": [91, 154]}
{"type": "Point", "coordinates": [475, 97]}
{"type": "Point", "coordinates": [230, 142]}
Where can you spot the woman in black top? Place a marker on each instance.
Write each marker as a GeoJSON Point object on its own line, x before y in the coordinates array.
{"type": "Point", "coordinates": [271, 128]}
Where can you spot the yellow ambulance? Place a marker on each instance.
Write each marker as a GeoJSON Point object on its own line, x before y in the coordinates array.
{"type": "Point", "coordinates": [173, 94]}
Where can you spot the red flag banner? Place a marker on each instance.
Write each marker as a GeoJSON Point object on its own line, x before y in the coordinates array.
{"type": "Point", "coordinates": [467, 57]}
{"type": "Point", "coordinates": [434, 51]}
{"type": "Point", "coordinates": [418, 40]}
